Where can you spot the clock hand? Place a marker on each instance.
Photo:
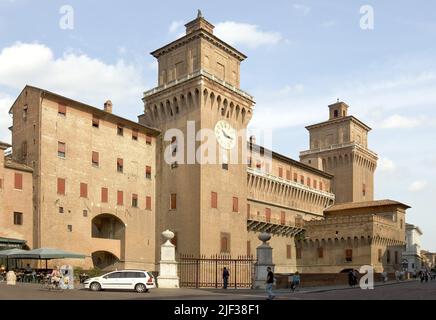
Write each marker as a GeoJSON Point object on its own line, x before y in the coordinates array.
{"type": "Point", "coordinates": [227, 136]}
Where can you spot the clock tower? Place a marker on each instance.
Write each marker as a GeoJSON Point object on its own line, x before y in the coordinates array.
{"type": "Point", "coordinates": [201, 191]}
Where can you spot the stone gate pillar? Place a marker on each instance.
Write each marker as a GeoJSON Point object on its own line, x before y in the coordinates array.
{"type": "Point", "coordinates": [168, 277]}
{"type": "Point", "coordinates": [264, 260]}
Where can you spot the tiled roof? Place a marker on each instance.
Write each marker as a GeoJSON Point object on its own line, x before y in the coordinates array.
{"type": "Point", "coordinates": [366, 204]}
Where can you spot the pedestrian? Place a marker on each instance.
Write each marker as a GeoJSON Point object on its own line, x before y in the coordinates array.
{"type": "Point", "coordinates": [351, 278]}
{"type": "Point", "coordinates": [356, 277]}
{"type": "Point", "coordinates": [226, 275]}
{"type": "Point", "coordinates": [384, 275]}
{"type": "Point", "coordinates": [421, 276]}
{"type": "Point", "coordinates": [269, 283]}
{"type": "Point", "coordinates": [295, 281]}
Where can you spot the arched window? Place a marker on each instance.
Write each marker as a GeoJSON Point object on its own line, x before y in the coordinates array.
{"type": "Point", "coordinates": [336, 113]}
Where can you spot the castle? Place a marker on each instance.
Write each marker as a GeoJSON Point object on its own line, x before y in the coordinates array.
{"type": "Point", "coordinates": [83, 179]}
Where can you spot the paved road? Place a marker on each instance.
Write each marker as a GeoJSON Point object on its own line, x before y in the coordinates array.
{"type": "Point", "coordinates": [403, 290]}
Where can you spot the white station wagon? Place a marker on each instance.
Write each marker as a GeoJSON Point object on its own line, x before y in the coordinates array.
{"type": "Point", "coordinates": [138, 280]}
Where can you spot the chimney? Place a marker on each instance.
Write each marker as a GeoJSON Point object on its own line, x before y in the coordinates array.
{"type": "Point", "coordinates": [108, 106]}
{"type": "Point", "coordinates": [252, 140]}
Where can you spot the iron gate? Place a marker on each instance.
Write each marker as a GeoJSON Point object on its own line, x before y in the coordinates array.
{"type": "Point", "coordinates": [206, 272]}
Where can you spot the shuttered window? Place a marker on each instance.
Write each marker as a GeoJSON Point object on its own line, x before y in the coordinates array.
{"type": "Point", "coordinates": [298, 253]}
{"type": "Point", "coordinates": [147, 203]}
{"type": "Point", "coordinates": [148, 172]}
{"type": "Point", "coordinates": [280, 172]}
{"type": "Point", "coordinates": [214, 200]}
{"type": "Point", "coordinates": [268, 214]}
{"type": "Point", "coordinates": [120, 165]}
{"type": "Point", "coordinates": [62, 109]}
{"type": "Point", "coordinates": [320, 252]}
{"type": "Point", "coordinates": [135, 134]}
{"type": "Point", "coordinates": [83, 190]}
{"type": "Point", "coordinates": [120, 198]}
{"type": "Point", "coordinates": [288, 175]}
{"type": "Point", "coordinates": [283, 217]}
{"type": "Point", "coordinates": [61, 149]}
{"type": "Point", "coordinates": [288, 251]}
{"type": "Point", "coordinates": [235, 204]}
{"type": "Point", "coordinates": [148, 139]}
{"type": "Point", "coordinates": [134, 200]}
{"type": "Point", "coordinates": [173, 201]}
{"type": "Point", "coordinates": [104, 195]}
{"type": "Point", "coordinates": [95, 121]}
{"type": "Point", "coordinates": [18, 181]}
{"type": "Point", "coordinates": [349, 255]}
{"type": "Point", "coordinates": [95, 158]}
{"type": "Point", "coordinates": [225, 242]}
{"type": "Point", "coordinates": [61, 186]}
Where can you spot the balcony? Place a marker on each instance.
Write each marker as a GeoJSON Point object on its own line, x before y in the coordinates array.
{"type": "Point", "coordinates": [261, 223]}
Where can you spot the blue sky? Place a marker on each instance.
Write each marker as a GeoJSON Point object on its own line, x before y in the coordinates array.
{"type": "Point", "coordinates": [302, 56]}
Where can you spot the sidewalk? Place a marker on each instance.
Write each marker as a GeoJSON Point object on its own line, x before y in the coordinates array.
{"type": "Point", "coordinates": [301, 289]}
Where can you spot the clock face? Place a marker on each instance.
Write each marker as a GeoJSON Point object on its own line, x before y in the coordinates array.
{"type": "Point", "coordinates": [225, 134]}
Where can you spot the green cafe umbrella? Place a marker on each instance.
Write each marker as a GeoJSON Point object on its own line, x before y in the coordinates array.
{"type": "Point", "coordinates": [8, 254]}
{"type": "Point", "coordinates": [47, 254]}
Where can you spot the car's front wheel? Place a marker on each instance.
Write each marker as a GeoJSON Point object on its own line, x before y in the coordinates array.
{"type": "Point", "coordinates": [140, 288]}
{"type": "Point", "coordinates": [95, 286]}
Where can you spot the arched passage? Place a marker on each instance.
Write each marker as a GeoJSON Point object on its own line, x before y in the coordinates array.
{"type": "Point", "coordinates": [104, 259]}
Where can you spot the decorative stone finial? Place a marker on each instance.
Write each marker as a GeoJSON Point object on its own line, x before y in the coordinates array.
{"type": "Point", "coordinates": [168, 235]}
{"type": "Point", "coordinates": [264, 237]}
{"type": "Point", "coordinates": [199, 14]}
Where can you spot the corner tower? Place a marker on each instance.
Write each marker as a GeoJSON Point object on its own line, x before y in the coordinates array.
{"type": "Point", "coordinates": [339, 146]}
{"type": "Point", "coordinates": [198, 88]}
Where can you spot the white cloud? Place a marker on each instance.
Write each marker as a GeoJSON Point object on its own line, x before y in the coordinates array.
{"type": "Point", "coordinates": [250, 35]}
{"type": "Point", "coordinates": [5, 119]}
{"type": "Point", "coordinates": [396, 122]}
{"type": "Point", "coordinates": [297, 88]}
{"type": "Point", "coordinates": [386, 165]}
{"type": "Point", "coordinates": [74, 75]}
{"type": "Point", "coordinates": [329, 23]}
{"type": "Point", "coordinates": [417, 186]}
{"type": "Point", "coordinates": [302, 8]}
{"type": "Point", "coordinates": [175, 26]}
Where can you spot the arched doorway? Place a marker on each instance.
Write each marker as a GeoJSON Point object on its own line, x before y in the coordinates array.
{"type": "Point", "coordinates": [108, 226]}
{"type": "Point", "coordinates": [104, 260]}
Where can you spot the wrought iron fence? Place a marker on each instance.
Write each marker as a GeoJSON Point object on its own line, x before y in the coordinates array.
{"type": "Point", "coordinates": [206, 272]}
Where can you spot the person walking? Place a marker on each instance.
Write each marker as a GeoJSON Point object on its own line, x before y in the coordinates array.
{"type": "Point", "coordinates": [351, 278]}
{"type": "Point", "coordinates": [295, 281]}
{"type": "Point", "coordinates": [269, 283]}
{"type": "Point", "coordinates": [226, 275]}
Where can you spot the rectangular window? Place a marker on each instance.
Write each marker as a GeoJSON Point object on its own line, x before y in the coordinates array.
{"type": "Point", "coordinates": [268, 214]}
{"type": "Point", "coordinates": [61, 209]}
{"type": "Point", "coordinates": [379, 255]}
{"type": "Point", "coordinates": [321, 252]}
{"type": "Point", "coordinates": [18, 181]}
{"type": "Point", "coordinates": [83, 190]}
{"type": "Point", "coordinates": [288, 251]}
{"type": "Point", "coordinates": [120, 130]}
{"type": "Point", "coordinates": [301, 179]}
{"type": "Point", "coordinates": [148, 172]}
{"type": "Point", "coordinates": [148, 139]}
{"type": "Point", "coordinates": [320, 185]}
{"type": "Point", "coordinates": [62, 109]}
{"type": "Point", "coordinates": [248, 210]}
{"type": "Point", "coordinates": [134, 200]}
{"type": "Point", "coordinates": [61, 186]}
{"type": "Point", "coordinates": [248, 248]}
{"type": "Point", "coordinates": [61, 149]}
{"type": "Point", "coordinates": [298, 253]}
{"type": "Point", "coordinates": [95, 121]}
{"type": "Point", "coordinates": [120, 165]}
{"type": "Point", "coordinates": [283, 217]}
{"type": "Point", "coordinates": [85, 213]}
{"type": "Point", "coordinates": [95, 159]}
{"type": "Point", "coordinates": [104, 195]}
{"type": "Point", "coordinates": [363, 189]}
{"type": "Point", "coordinates": [235, 204]}
{"type": "Point", "coordinates": [225, 243]}
{"type": "Point", "coordinates": [148, 203]}
{"type": "Point", "coordinates": [135, 134]}
{"type": "Point", "coordinates": [70, 228]}
{"type": "Point", "coordinates": [24, 150]}
{"type": "Point", "coordinates": [120, 198]}
{"type": "Point", "coordinates": [288, 175]}
{"type": "Point", "coordinates": [314, 184]}
{"type": "Point", "coordinates": [214, 200]}
{"type": "Point", "coordinates": [348, 255]}
{"type": "Point", "coordinates": [308, 182]}
{"type": "Point", "coordinates": [295, 177]}
{"type": "Point", "coordinates": [280, 172]}
{"type": "Point", "coordinates": [18, 218]}
{"type": "Point", "coordinates": [173, 201]}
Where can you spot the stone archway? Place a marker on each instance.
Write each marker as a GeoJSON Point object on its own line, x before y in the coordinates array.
{"type": "Point", "coordinates": [108, 226]}
{"type": "Point", "coordinates": [104, 260]}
